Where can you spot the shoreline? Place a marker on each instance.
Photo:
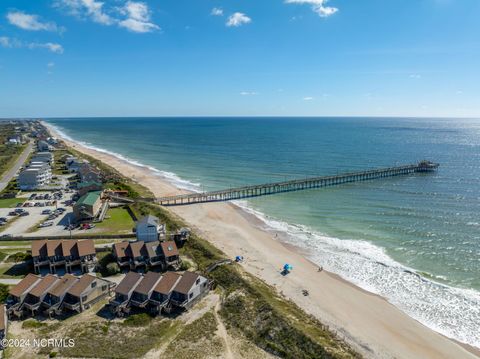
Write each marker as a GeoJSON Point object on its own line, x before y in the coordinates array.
{"type": "Point", "coordinates": [369, 322]}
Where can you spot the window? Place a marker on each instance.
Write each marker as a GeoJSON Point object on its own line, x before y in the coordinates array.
{"type": "Point", "coordinates": [197, 281]}
{"type": "Point", "coordinates": [104, 288]}
{"type": "Point", "coordinates": [190, 296]}
{"type": "Point", "coordinates": [94, 284]}
{"type": "Point", "coordinates": [84, 298]}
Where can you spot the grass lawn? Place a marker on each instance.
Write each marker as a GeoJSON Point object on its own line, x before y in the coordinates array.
{"type": "Point", "coordinates": [14, 244]}
{"type": "Point", "coordinates": [9, 155]}
{"type": "Point", "coordinates": [117, 220]}
{"type": "Point", "coordinates": [11, 202]}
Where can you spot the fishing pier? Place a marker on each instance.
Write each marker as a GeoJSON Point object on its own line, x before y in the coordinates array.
{"type": "Point", "coordinates": [296, 185]}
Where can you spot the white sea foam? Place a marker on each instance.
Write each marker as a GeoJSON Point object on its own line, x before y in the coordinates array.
{"type": "Point", "coordinates": [453, 312]}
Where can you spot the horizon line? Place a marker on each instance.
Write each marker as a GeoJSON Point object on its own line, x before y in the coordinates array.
{"type": "Point", "coordinates": [39, 118]}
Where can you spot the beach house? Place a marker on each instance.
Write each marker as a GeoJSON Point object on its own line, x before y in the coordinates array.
{"type": "Point", "coordinates": [162, 292]}
{"type": "Point", "coordinates": [149, 229]}
{"type": "Point", "coordinates": [46, 157]}
{"type": "Point", "coordinates": [124, 291]}
{"type": "Point", "coordinates": [90, 186]}
{"type": "Point", "coordinates": [35, 177]}
{"type": "Point", "coordinates": [18, 293]}
{"type": "Point", "coordinates": [88, 206]}
{"type": "Point", "coordinates": [169, 255]}
{"type": "Point", "coordinates": [15, 140]}
{"type": "Point", "coordinates": [68, 256]}
{"type": "Point", "coordinates": [73, 163]}
{"type": "Point", "coordinates": [52, 301]}
{"type": "Point", "coordinates": [42, 146]}
{"type": "Point", "coordinates": [157, 292]}
{"type": "Point", "coordinates": [88, 173]}
{"type": "Point", "coordinates": [181, 236]}
{"type": "Point", "coordinates": [190, 288]}
{"type": "Point", "coordinates": [33, 299]}
{"type": "Point", "coordinates": [52, 294]}
{"type": "Point", "coordinates": [141, 294]}
{"type": "Point", "coordinates": [140, 254]}
{"type": "Point", "coordinates": [85, 292]}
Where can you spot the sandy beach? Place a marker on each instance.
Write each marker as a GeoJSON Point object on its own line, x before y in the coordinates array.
{"type": "Point", "coordinates": [373, 326]}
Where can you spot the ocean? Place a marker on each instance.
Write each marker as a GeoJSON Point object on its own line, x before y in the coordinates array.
{"type": "Point", "coordinates": [414, 240]}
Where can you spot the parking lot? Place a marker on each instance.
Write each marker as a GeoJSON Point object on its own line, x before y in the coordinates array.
{"type": "Point", "coordinates": [40, 209]}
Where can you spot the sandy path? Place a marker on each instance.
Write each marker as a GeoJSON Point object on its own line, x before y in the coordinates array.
{"type": "Point", "coordinates": [371, 324]}
{"type": "Point", "coordinates": [222, 333]}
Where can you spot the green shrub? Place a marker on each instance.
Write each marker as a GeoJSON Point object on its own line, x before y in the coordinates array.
{"type": "Point", "coordinates": [19, 257]}
{"type": "Point", "coordinates": [112, 269]}
{"type": "Point", "coordinates": [185, 266]}
{"type": "Point", "coordinates": [138, 320]}
{"type": "Point", "coordinates": [3, 293]}
{"type": "Point", "coordinates": [32, 324]}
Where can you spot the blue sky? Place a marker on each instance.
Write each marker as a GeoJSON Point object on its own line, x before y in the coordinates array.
{"type": "Point", "coordinates": [239, 57]}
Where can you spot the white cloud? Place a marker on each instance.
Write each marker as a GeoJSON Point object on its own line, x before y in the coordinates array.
{"type": "Point", "coordinates": [415, 76]}
{"type": "Point", "coordinates": [318, 6]}
{"type": "Point", "coordinates": [238, 19]}
{"type": "Point", "coordinates": [247, 93]}
{"type": "Point", "coordinates": [15, 43]}
{"type": "Point", "coordinates": [87, 9]}
{"type": "Point", "coordinates": [217, 11]}
{"type": "Point", "coordinates": [5, 41]}
{"type": "Point", "coordinates": [138, 17]}
{"type": "Point", "coordinates": [136, 14]}
{"type": "Point", "coordinates": [308, 98]}
{"type": "Point", "coordinates": [29, 22]}
{"type": "Point", "coordinates": [53, 47]}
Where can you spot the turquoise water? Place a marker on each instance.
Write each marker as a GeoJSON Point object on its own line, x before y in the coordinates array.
{"type": "Point", "coordinates": [414, 240]}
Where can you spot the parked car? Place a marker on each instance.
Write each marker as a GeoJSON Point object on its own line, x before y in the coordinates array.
{"type": "Point", "coordinates": [32, 196]}
{"type": "Point", "coordinates": [88, 226]}
{"type": "Point", "coordinates": [6, 236]}
{"type": "Point", "coordinates": [3, 219]}
{"type": "Point", "coordinates": [19, 210]}
{"type": "Point", "coordinates": [23, 214]}
{"type": "Point", "coordinates": [46, 211]}
{"type": "Point", "coordinates": [12, 213]}
{"type": "Point", "coordinates": [45, 224]}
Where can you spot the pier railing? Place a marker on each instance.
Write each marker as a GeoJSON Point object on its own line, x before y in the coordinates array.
{"type": "Point", "coordinates": [295, 185]}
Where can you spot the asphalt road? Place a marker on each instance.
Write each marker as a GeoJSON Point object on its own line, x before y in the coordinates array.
{"type": "Point", "coordinates": [7, 177]}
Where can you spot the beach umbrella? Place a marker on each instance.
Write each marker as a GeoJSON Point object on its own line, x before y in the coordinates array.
{"type": "Point", "coordinates": [287, 267]}
{"type": "Point", "coordinates": [238, 258]}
